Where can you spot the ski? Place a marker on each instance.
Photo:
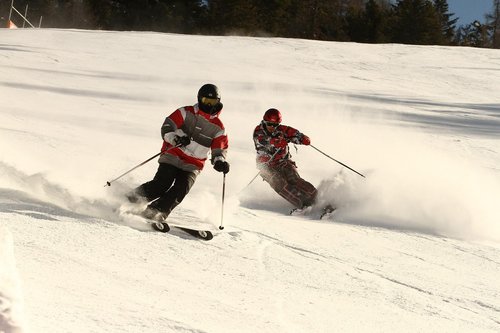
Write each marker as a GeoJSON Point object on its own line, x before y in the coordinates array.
{"type": "Point", "coordinates": [325, 211]}
{"type": "Point", "coordinates": [160, 226]}
{"type": "Point", "coordinates": [201, 234]}
{"type": "Point", "coordinates": [165, 227]}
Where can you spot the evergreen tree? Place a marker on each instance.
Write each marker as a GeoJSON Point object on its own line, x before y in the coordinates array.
{"type": "Point", "coordinates": [231, 16]}
{"type": "Point", "coordinates": [182, 16]}
{"type": "Point", "coordinates": [448, 25]}
{"type": "Point", "coordinates": [107, 15]}
{"type": "Point", "coordinates": [375, 21]}
{"type": "Point", "coordinates": [277, 17]}
{"type": "Point", "coordinates": [357, 27]}
{"type": "Point", "coordinates": [416, 22]}
{"type": "Point", "coordinates": [368, 25]}
{"type": "Point", "coordinates": [324, 20]}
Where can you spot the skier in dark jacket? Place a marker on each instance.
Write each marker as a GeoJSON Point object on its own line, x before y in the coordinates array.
{"type": "Point", "coordinates": [189, 134]}
{"type": "Point", "coordinates": [274, 161]}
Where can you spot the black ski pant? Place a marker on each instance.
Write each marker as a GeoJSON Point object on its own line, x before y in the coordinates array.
{"type": "Point", "coordinates": [168, 187]}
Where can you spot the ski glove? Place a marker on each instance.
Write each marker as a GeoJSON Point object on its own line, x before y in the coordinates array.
{"type": "Point", "coordinates": [182, 140]}
{"type": "Point", "coordinates": [221, 166]}
{"type": "Point", "coordinates": [305, 140]}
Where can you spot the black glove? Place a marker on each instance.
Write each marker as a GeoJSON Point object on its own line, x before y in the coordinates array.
{"type": "Point", "coordinates": [182, 140]}
{"type": "Point", "coordinates": [221, 166]}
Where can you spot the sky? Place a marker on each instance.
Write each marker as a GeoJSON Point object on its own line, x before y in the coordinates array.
{"type": "Point", "coordinates": [470, 10]}
{"type": "Point", "coordinates": [413, 247]}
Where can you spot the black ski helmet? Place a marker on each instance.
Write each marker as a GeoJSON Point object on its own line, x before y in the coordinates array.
{"type": "Point", "coordinates": [208, 90]}
{"type": "Point", "coordinates": [209, 98]}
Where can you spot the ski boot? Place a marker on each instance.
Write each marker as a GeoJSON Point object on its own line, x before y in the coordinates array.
{"type": "Point", "coordinates": [153, 214]}
{"type": "Point", "coordinates": [156, 218]}
{"type": "Point", "coordinates": [327, 211]}
{"type": "Point", "coordinates": [300, 211]}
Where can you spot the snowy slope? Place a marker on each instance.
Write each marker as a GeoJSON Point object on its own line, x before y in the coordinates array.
{"type": "Point", "coordinates": [414, 247]}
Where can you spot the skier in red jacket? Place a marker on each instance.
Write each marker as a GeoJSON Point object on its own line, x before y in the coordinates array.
{"type": "Point", "coordinates": [274, 161]}
{"type": "Point", "coordinates": [189, 134]}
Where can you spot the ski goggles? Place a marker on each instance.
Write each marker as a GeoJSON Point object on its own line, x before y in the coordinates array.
{"type": "Point", "coordinates": [271, 124]}
{"type": "Point", "coordinates": [210, 101]}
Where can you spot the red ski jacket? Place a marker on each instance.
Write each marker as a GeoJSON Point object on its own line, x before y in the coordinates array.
{"type": "Point", "coordinates": [275, 145]}
{"type": "Point", "coordinates": [207, 135]}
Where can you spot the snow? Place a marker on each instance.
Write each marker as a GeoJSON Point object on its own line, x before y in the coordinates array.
{"type": "Point", "coordinates": [414, 247]}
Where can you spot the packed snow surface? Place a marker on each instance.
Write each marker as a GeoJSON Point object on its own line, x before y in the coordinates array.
{"type": "Point", "coordinates": [413, 247]}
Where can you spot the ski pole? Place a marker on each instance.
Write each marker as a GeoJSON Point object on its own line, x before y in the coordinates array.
{"type": "Point", "coordinates": [258, 173]}
{"type": "Point", "coordinates": [221, 227]}
{"type": "Point", "coordinates": [108, 183]}
{"type": "Point", "coordinates": [338, 162]}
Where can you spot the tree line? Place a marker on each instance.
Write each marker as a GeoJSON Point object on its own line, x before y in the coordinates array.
{"type": "Point", "coordinates": [421, 22]}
